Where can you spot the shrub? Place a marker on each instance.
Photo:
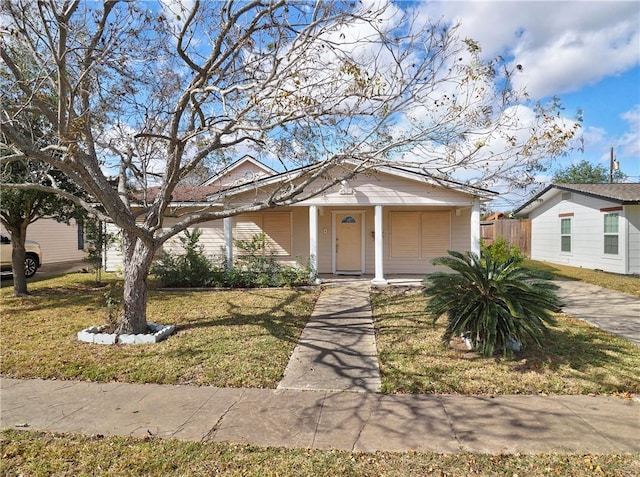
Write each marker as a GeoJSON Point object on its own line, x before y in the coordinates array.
{"type": "Point", "coordinates": [501, 251]}
{"type": "Point", "coordinates": [495, 303]}
{"type": "Point", "coordinates": [191, 269]}
{"type": "Point", "coordinates": [253, 268]}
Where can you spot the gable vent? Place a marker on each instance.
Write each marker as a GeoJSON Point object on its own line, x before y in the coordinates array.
{"type": "Point", "coordinates": [566, 196]}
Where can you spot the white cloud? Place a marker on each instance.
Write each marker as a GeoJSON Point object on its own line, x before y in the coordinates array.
{"type": "Point", "coordinates": [630, 141]}
{"type": "Point", "coordinates": [562, 46]}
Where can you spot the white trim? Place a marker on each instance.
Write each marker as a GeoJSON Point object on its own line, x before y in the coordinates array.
{"type": "Point", "coordinates": [313, 238]}
{"type": "Point", "coordinates": [244, 159]}
{"type": "Point", "coordinates": [227, 223]}
{"type": "Point", "coordinates": [475, 227]}
{"type": "Point", "coordinates": [333, 240]}
{"type": "Point", "coordinates": [379, 249]}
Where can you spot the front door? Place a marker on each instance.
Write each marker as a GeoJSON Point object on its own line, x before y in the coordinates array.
{"type": "Point", "coordinates": [348, 243]}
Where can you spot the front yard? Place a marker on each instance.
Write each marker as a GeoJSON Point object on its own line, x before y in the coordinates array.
{"type": "Point", "coordinates": [235, 338]}
{"type": "Point", "coordinates": [44, 454]}
{"type": "Point", "coordinates": [243, 338]}
{"type": "Point", "coordinates": [576, 358]}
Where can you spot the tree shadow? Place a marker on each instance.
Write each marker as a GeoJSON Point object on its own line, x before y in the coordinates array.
{"type": "Point", "coordinates": [277, 320]}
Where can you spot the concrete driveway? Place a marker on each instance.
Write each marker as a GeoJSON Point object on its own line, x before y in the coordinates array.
{"type": "Point", "coordinates": [609, 310]}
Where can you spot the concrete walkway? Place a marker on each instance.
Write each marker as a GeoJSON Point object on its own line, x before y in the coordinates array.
{"type": "Point", "coordinates": [326, 420]}
{"type": "Point", "coordinates": [337, 349]}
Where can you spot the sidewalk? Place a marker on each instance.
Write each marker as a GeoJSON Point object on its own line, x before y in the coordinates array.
{"type": "Point", "coordinates": [326, 420]}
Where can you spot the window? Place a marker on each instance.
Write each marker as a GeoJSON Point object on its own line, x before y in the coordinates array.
{"type": "Point", "coordinates": [348, 220]}
{"type": "Point", "coordinates": [611, 234]}
{"type": "Point", "coordinates": [565, 235]}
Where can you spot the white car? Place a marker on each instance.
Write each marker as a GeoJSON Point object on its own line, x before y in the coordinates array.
{"type": "Point", "coordinates": [32, 261]}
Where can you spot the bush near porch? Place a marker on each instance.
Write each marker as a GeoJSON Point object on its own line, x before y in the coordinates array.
{"type": "Point", "coordinates": [254, 268]}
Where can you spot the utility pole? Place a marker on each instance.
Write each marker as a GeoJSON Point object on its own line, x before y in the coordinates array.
{"type": "Point", "coordinates": [613, 165]}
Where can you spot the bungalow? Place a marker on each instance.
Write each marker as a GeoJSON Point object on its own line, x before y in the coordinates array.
{"type": "Point", "coordinates": [594, 226]}
{"type": "Point", "coordinates": [391, 220]}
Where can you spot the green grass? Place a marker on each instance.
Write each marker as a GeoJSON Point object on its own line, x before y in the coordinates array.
{"type": "Point", "coordinates": [236, 338]}
{"type": "Point", "coordinates": [623, 283]}
{"type": "Point", "coordinates": [42, 454]}
{"type": "Point", "coordinates": [576, 358]}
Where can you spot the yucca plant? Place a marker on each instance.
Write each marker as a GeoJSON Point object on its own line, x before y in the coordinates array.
{"type": "Point", "coordinates": [495, 303]}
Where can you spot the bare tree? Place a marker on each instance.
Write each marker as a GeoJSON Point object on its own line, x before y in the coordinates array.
{"type": "Point", "coordinates": [147, 92]}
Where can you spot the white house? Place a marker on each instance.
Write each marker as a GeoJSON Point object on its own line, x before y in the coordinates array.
{"type": "Point", "coordinates": [391, 220]}
{"type": "Point", "coordinates": [595, 226]}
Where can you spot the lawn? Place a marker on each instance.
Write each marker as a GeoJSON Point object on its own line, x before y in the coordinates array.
{"type": "Point", "coordinates": [576, 358]}
{"type": "Point", "coordinates": [43, 454]}
{"type": "Point", "coordinates": [243, 338]}
{"type": "Point", "coordinates": [623, 283]}
{"type": "Point", "coordinates": [235, 338]}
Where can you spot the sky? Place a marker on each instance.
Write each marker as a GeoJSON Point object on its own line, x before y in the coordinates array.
{"type": "Point", "coordinates": [585, 52]}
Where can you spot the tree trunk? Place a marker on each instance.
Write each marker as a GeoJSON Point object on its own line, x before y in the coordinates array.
{"type": "Point", "coordinates": [18, 255]}
{"type": "Point", "coordinates": [138, 256]}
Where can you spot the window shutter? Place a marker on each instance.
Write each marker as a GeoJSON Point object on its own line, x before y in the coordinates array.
{"type": "Point", "coordinates": [277, 227]}
{"type": "Point", "coordinates": [436, 234]}
{"type": "Point", "coordinates": [405, 234]}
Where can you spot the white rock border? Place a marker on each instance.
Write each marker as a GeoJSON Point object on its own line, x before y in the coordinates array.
{"type": "Point", "coordinates": [94, 335]}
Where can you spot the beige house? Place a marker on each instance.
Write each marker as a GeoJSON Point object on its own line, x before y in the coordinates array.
{"type": "Point", "coordinates": [59, 242]}
{"type": "Point", "coordinates": [391, 220]}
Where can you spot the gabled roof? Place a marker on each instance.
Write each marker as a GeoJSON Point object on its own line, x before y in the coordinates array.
{"type": "Point", "coordinates": [209, 192]}
{"type": "Point", "coordinates": [448, 183]}
{"type": "Point", "coordinates": [243, 160]}
{"type": "Point", "coordinates": [625, 193]}
{"type": "Point", "coordinates": [182, 193]}
{"type": "Point", "coordinates": [410, 173]}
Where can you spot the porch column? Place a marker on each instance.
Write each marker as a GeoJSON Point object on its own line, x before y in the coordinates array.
{"type": "Point", "coordinates": [475, 227]}
{"type": "Point", "coordinates": [378, 244]}
{"type": "Point", "coordinates": [228, 241]}
{"type": "Point", "coordinates": [313, 239]}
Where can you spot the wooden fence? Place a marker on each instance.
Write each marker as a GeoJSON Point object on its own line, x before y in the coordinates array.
{"type": "Point", "coordinates": [515, 232]}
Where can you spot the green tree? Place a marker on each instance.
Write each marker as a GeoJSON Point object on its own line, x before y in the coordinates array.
{"type": "Point", "coordinates": [495, 303]}
{"type": "Point", "coordinates": [586, 173]}
{"type": "Point", "coordinates": [326, 85]}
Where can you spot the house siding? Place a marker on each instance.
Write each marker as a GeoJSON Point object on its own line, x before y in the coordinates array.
{"type": "Point", "coordinates": [632, 213]}
{"type": "Point", "coordinates": [212, 237]}
{"type": "Point", "coordinates": [113, 254]}
{"type": "Point", "coordinates": [386, 189]}
{"type": "Point", "coordinates": [587, 233]}
{"type": "Point", "coordinates": [58, 241]}
{"type": "Point", "coordinates": [443, 215]}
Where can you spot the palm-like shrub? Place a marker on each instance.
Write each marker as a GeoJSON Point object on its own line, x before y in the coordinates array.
{"type": "Point", "coordinates": [495, 303]}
